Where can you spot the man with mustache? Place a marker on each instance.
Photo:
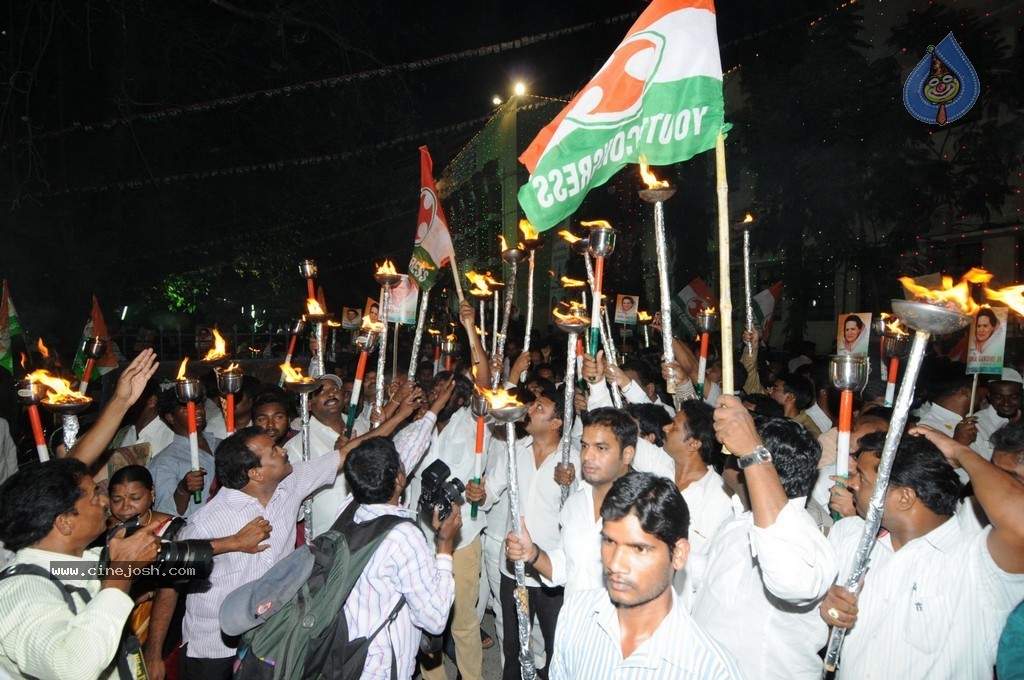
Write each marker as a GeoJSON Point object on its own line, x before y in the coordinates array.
{"type": "Point", "coordinates": [173, 477]}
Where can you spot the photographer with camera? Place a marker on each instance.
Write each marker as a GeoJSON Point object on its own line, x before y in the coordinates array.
{"type": "Point", "coordinates": [63, 617]}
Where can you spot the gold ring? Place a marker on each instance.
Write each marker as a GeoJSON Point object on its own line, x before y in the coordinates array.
{"type": "Point", "coordinates": [834, 613]}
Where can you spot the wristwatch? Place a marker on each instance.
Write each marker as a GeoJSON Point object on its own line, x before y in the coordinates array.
{"type": "Point", "coordinates": [759, 456]}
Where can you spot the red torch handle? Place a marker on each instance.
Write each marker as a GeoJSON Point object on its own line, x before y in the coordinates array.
{"type": "Point", "coordinates": [88, 370]}
{"type": "Point", "coordinates": [229, 415]}
{"type": "Point", "coordinates": [894, 368]}
{"type": "Point", "coordinates": [193, 441]}
{"type": "Point", "coordinates": [310, 289]}
{"type": "Point", "coordinates": [37, 425]}
{"type": "Point", "coordinates": [704, 345]}
{"type": "Point", "coordinates": [846, 411]}
{"type": "Point", "coordinates": [479, 435]}
{"type": "Point", "coordinates": [291, 345]}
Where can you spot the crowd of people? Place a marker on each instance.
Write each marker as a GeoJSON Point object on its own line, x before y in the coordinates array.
{"type": "Point", "coordinates": [707, 537]}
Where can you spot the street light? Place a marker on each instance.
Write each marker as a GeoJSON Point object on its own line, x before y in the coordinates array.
{"type": "Point", "coordinates": [496, 101]}
{"type": "Point", "coordinates": [520, 89]}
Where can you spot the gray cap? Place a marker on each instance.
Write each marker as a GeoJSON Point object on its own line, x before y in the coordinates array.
{"type": "Point", "coordinates": [333, 378]}
{"type": "Point", "coordinates": [252, 604]}
{"type": "Point", "coordinates": [1010, 375]}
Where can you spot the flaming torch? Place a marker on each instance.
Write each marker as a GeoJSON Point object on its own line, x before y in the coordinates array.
{"type": "Point", "coordinates": [600, 244]}
{"type": "Point", "coordinates": [494, 285]}
{"type": "Point", "coordinates": [304, 385]}
{"type": "Point", "coordinates": [482, 292]}
{"type": "Point", "coordinates": [478, 405]}
{"type": "Point", "coordinates": [388, 278]}
{"type": "Point", "coordinates": [531, 241]}
{"type": "Point", "coordinates": [308, 270]}
{"type": "Point", "coordinates": [298, 328]}
{"type": "Point", "coordinates": [435, 335]}
{"type": "Point", "coordinates": [657, 192]}
{"type": "Point", "coordinates": [31, 393]}
{"type": "Point", "coordinates": [229, 382]}
{"type": "Point", "coordinates": [93, 349]}
{"type": "Point", "coordinates": [745, 226]}
{"type": "Point", "coordinates": [448, 347]}
{"type": "Point", "coordinates": [505, 409]}
{"type": "Point", "coordinates": [573, 324]}
{"type": "Point", "coordinates": [645, 319]}
{"type": "Point", "coordinates": [707, 323]}
{"type": "Point", "coordinates": [417, 337]}
{"type": "Point", "coordinates": [576, 283]}
{"type": "Point", "coordinates": [316, 317]}
{"type": "Point", "coordinates": [895, 343]}
{"type": "Point", "coordinates": [938, 312]}
{"type": "Point", "coordinates": [366, 341]}
{"type": "Point", "coordinates": [189, 392]}
{"type": "Point", "coordinates": [848, 373]}
{"type": "Point", "coordinates": [513, 256]}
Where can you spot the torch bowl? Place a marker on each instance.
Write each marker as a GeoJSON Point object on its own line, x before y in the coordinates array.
{"type": "Point", "coordinates": [318, 318]}
{"type": "Point", "coordinates": [574, 325]}
{"type": "Point", "coordinates": [601, 241]}
{"type": "Point", "coordinates": [31, 392]}
{"type": "Point", "coordinates": [367, 341]}
{"type": "Point", "coordinates": [299, 326]}
{"type": "Point", "coordinates": [707, 321]}
{"type": "Point", "coordinates": [478, 405]}
{"type": "Point", "coordinates": [228, 382]}
{"type": "Point", "coordinates": [188, 389]}
{"type": "Point", "coordinates": [513, 255]}
{"type": "Point", "coordinates": [531, 243]}
{"type": "Point", "coordinates": [448, 346]}
{"type": "Point", "coordinates": [94, 348]}
{"type": "Point", "coordinates": [389, 280]}
{"type": "Point", "coordinates": [657, 195]}
{"type": "Point", "coordinates": [308, 269]}
{"type": "Point", "coordinates": [895, 346]}
{"type": "Point", "coordinates": [581, 246]}
{"type": "Point", "coordinates": [304, 386]}
{"type": "Point", "coordinates": [933, 319]}
{"type": "Point", "coordinates": [509, 414]}
{"type": "Point", "coordinates": [848, 372]}
{"type": "Point", "coordinates": [67, 408]}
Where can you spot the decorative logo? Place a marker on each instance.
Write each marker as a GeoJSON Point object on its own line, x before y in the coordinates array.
{"type": "Point", "coordinates": [264, 607]}
{"type": "Point", "coordinates": [943, 86]}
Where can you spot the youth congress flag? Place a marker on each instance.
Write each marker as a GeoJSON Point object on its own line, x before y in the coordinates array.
{"type": "Point", "coordinates": [94, 327]}
{"type": "Point", "coordinates": [658, 98]}
{"type": "Point", "coordinates": [688, 303]}
{"type": "Point", "coordinates": [765, 303]}
{"type": "Point", "coordinates": [433, 248]}
{"type": "Point", "coordinates": [10, 325]}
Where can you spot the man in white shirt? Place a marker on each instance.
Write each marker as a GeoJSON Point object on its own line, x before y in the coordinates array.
{"type": "Point", "coordinates": [936, 597]}
{"type": "Point", "coordinates": [690, 441]}
{"type": "Point", "coordinates": [573, 560]}
{"type": "Point", "coordinates": [148, 426]}
{"type": "Point", "coordinates": [1004, 398]}
{"type": "Point", "coordinates": [637, 628]}
{"type": "Point", "coordinates": [770, 565]}
{"type": "Point", "coordinates": [946, 411]}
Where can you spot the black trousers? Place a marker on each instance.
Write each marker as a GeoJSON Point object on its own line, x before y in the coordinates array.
{"type": "Point", "coordinates": [544, 604]}
{"type": "Point", "coordinates": [204, 669]}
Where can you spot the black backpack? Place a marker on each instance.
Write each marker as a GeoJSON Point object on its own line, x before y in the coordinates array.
{"type": "Point", "coordinates": [308, 636]}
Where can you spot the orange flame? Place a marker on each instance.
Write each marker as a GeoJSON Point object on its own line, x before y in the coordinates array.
{"type": "Point", "coordinates": [24, 359]}
{"type": "Point", "coordinates": [529, 233]}
{"type": "Point", "coordinates": [387, 269]}
{"type": "Point", "coordinates": [893, 325]}
{"type": "Point", "coordinates": [953, 298]}
{"type": "Point", "coordinates": [61, 392]}
{"type": "Point", "coordinates": [42, 349]}
{"type": "Point", "coordinates": [643, 316]}
{"type": "Point", "coordinates": [294, 375]}
{"type": "Point", "coordinates": [371, 325]}
{"type": "Point", "coordinates": [313, 307]}
{"type": "Point", "coordinates": [499, 398]}
{"type": "Point", "coordinates": [577, 313]}
{"type": "Point", "coordinates": [218, 351]}
{"type": "Point", "coordinates": [433, 331]}
{"type": "Point", "coordinates": [493, 281]}
{"type": "Point", "coordinates": [231, 368]}
{"type": "Point", "coordinates": [479, 282]}
{"type": "Point", "coordinates": [709, 310]}
{"type": "Point", "coordinates": [1011, 296]}
{"type": "Point", "coordinates": [748, 219]}
{"type": "Point", "coordinates": [181, 371]}
{"type": "Point", "coordinates": [596, 223]}
{"type": "Point", "coordinates": [451, 337]}
{"type": "Point", "coordinates": [572, 283]}
{"type": "Point", "coordinates": [569, 236]}
{"type": "Point", "coordinates": [650, 180]}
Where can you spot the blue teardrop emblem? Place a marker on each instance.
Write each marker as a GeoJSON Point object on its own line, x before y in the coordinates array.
{"type": "Point", "coordinates": [943, 86]}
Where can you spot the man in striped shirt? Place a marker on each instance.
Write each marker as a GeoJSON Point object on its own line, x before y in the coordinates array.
{"type": "Point", "coordinates": [636, 627]}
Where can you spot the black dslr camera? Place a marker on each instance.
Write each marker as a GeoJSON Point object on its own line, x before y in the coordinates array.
{"type": "Point", "coordinates": [176, 559]}
{"type": "Point", "coordinates": [437, 491]}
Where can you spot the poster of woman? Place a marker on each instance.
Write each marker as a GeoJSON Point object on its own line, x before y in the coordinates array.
{"type": "Point", "coordinates": [987, 341]}
{"type": "Point", "coordinates": [625, 309]}
{"type": "Point", "coordinates": [854, 333]}
{"type": "Point", "coordinates": [402, 302]}
{"type": "Point", "coordinates": [351, 319]}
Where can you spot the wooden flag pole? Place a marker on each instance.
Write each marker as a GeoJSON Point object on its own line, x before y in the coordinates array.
{"type": "Point", "coordinates": [724, 296]}
{"type": "Point", "coordinates": [458, 283]}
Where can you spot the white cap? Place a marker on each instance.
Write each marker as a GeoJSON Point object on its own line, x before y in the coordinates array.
{"type": "Point", "coordinates": [1010, 375]}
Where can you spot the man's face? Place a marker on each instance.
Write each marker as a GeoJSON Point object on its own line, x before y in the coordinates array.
{"type": "Point", "coordinates": [1010, 463]}
{"type": "Point", "coordinates": [369, 386]}
{"type": "Point", "coordinates": [273, 419]}
{"type": "Point", "coordinates": [540, 418]}
{"type": "Point", "coordinates": [778, 392]}
{"type": "Point", "coordinates": [273, 458]}
{"type": "Point", "coordinates": [326, 403]}
{"type": "Point", "coordinates": [677, 434]}
{"type": "Point", "coordinates": [638, 566]}
{"type": "Point", "coordinates": [603, 459]}
{"type": "Point", "coordinates": [1005, 398]}
{"type": "Point", "coordinates": [547, 374]}
{"type": "Point", "coordinates": [346, 392]}
{"type": "Point", "coordinates": [863, 482]}
{"type": "Point", "coordinates": [243, 406]}
{"type": "Point", "coordinates": [91, 518]}
{"type": "Point", "coordinates": [178, 418]}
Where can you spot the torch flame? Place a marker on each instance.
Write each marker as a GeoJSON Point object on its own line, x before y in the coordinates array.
{"type": "Point", "coordinates": [42, 349]}
{"type": "Point", "coordinates": [748, 219]}
{"type": "Point", "coordinates": [292, 374]}
{"type": "Point", "coordinates": [61, 392]}
{"type": "Point", "coordinates": [577, 313]}
{"type": "Point", "coordinates": [491, 281]}
{"type": "Point", "coordinates": [218, 351]}
{"type": "Point", "coordinates": [893, 325]}
{"type": "Point", "coordinates": [181, 371]}
{"type": "Point", "coordinates": [569, 236]}
{"type": "Point", "coordinates": [596, 223]}
{"type": "Point", "coordinates": [650, 180]}
{"type": "Point", "coordinates": [643, 316]}
{"type": "Point", "coordinates": [1012, 297]}
{"type": "Point", "coordinates": [710, 310]}
{"type": "Point", "coordinates": [572, 283]}
{"type": "Point", "coordinates": [313, 307]}
{"type": "Point", "coordinates": [451, 337]}
{"type": "Point", "coordinates": [24, 359]}
{"type": "Point", "coordinates": [231, 368]}
{"type": "Point", "coordinates": [529, 233]}
{"type": "Point", "coordinates": [953, 298]}
{"type": "Point", "coordinates": [499, 398]}
{"type": "Point", "coordinates": [371, 325]}
{"type": "Point", "coordinates": [479, 282]}
{"type": "Point", "coordinates": [387, 269]}
{"type": "Point", "coordinates": [433, 331]}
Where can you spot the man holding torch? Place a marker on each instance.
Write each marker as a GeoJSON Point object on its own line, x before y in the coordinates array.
{"type": "Point", "coordinates": [173, 477]}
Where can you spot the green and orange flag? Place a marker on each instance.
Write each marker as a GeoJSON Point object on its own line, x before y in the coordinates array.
{"type": "Point", "coordinates": [94, 327]}
{"type": "Point", "coordinates": [658, 98]}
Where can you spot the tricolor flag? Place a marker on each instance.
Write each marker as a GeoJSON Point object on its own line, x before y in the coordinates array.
{"type": "Point", "coordinates": [765, 303]}
{"type": "Point", "coordinates": [10, 326]}
{"type": "Point", "coordinates": [433, 248]}
{"type": "Point", "coordinates": [690, 302]}
{"type": "Point", "coordinates": [95, 327]}
{"type": "Point", "coordinates": [658, 98]}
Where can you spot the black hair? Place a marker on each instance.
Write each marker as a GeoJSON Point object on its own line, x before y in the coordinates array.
{"type": "Point", "coordinates": [1009, 439]}
{"type": "Point", "coordinates": [545, 385]}
{"type": "Point", "coordinates": [874, 389]}
{"type": "Point", "coordinates": [464, 389]}
{"type": "Point", "coordinates": [167, 403]}
{"type": "Point", "coordinates": [700, 420]}
{"type": "Point", "coordinates": [271, 394]}
{"type": "Point", "coordinates": [945, 388]}
{"type": "Point", "coordinates": [651, 419]}
{"type": "Point", "coordinates": [764, 405]}
{"type": "Point", "coordinates": [33, 497]}
{"type": "Point", "coordinates": [371, 471]}
{"type": "Point", "coordinates": [644, 376]}
{"type": "Point", "coordinates": [132, 473]}
{"type": "Point", "coordinates": [250, 386]}
{"type": "Point", "coordinates": [878, 413]}
{"type": "Point", "coordinates": [654, 500]}
{"type": "Point", "coordinates": [795, 453]}
{"type": "Point", "coordinates": [919, 465]}
{"type": "Point", "coordinates": [235, 458]}
{"type": "Point", "coordinates": [990, 314]}
{"type": "Point", "coordinates": [618, 421]}
{"type": "Point", "coordinates": [800, 387]}
{"type": "Point", "coordinates": [854, 318]}
{"type": "Point", "coordinates": [873, 442]}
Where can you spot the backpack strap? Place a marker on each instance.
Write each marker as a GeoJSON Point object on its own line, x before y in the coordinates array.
{"type": "Point", "coordinates": [65, 590]}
